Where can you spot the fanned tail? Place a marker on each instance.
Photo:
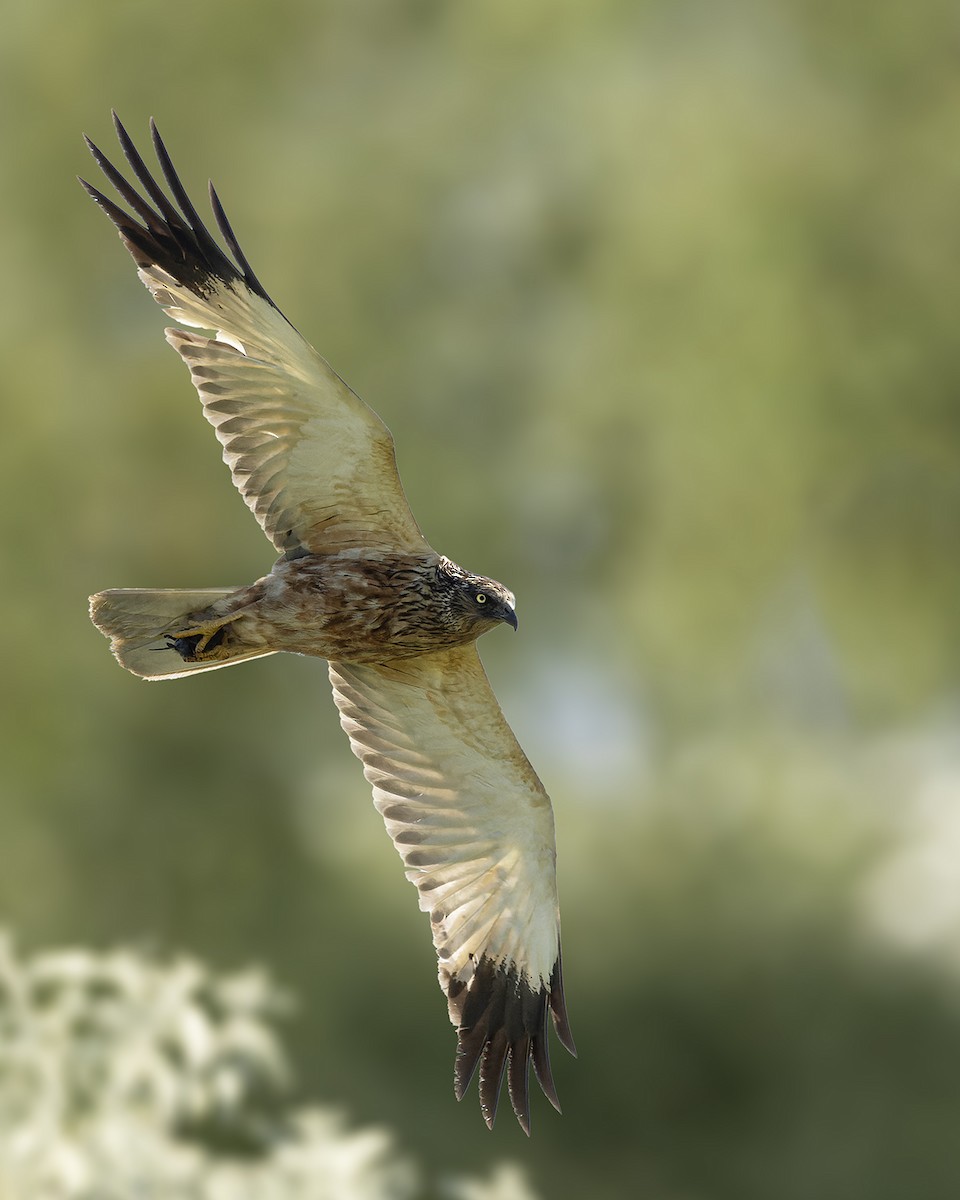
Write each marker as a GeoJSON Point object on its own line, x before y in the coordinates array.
{"type": "Point", "coordinates": [165, 633]}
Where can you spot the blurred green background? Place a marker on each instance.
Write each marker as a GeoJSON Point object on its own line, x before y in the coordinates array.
{"type": "Point", "coordinates": [659, 300]}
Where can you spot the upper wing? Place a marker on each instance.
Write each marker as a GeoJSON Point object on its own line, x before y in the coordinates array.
{"type": "Point", "coordinates": [474, 827]}
{"type": "Point", "coordinates": [313, 462]}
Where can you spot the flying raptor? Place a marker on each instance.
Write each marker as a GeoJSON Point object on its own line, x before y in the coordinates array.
{"type": "Point", "coordinates": [356, 583]}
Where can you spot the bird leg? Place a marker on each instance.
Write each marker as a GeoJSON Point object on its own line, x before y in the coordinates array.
{"type": "Point", "coordinates": [199, 641]}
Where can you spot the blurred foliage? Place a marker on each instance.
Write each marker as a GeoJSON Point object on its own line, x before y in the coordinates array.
{"type": "Point", "coordinates": [659, 301]}
{"type": "Point", "coordinates": [123, 1076]}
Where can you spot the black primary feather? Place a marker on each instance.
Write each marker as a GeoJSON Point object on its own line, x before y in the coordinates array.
{"type": "Point", "coordinates": [502, 1024]}
{"type": "Point", "coordinates": [169, 233]}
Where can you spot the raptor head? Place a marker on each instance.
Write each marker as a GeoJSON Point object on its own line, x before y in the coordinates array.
{"type": "Point", "coordinates": [475, 600]}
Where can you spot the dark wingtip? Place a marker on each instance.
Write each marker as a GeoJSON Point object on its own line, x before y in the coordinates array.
{"type": "Point", "coordinates": [99, 157]}
{"type": "Point", "coordinates": [502, 1027]}
{"type": "Point", "coordinates": [518, 1083]}
{"type": "Point", "coordinates": [223, 224]}
{"type": "Point", "coordinates": [558, 1009]}
{"type": "Point", "coordinates": [163, 232]}
{"type": "Point", "coordinates": [544, 1073]}
{"type": "Point", "coordinates": [493, 1066]}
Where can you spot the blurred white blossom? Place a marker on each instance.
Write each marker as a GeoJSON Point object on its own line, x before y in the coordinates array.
{"type": "Point", "coordinates": [125, 1077]}
{"type": "Point", "coordinates": [507, 1182]}
{"type": "Point", "coordinates": [912, 895]}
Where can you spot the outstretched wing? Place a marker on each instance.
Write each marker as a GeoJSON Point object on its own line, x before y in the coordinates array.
{"type": "Point", "coordinates": [474, 827]}
{"type": "Point", "coordinates": [315, 465]}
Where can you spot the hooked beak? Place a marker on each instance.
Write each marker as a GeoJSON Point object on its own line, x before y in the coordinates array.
{"type": "Point", "coordinates": [510, 615]}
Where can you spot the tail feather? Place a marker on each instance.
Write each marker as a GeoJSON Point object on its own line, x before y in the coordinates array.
{"type": "Point", "coordinates": [141, 624]}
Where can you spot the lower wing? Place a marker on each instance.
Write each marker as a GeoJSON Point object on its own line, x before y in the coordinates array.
{"type": "Point", "coordinates": [474, 827]}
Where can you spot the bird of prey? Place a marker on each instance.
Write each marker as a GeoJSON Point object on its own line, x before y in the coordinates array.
{"type": "Point", "coordinates": [356, 583]}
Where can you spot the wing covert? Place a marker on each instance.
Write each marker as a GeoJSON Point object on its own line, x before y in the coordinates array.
{"type": "Point", "coordinates": [474, 827]}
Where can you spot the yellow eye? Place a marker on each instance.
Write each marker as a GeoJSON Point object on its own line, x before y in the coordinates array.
{"type": "Point", "coordinates": [481, 597]}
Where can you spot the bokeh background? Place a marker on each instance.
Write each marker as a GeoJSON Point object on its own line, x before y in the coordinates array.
{"type": "Point", "coordinates": [660, 302]}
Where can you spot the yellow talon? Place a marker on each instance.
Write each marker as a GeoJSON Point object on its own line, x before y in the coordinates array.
{"type": "Point", "coordinates": [181, 639]}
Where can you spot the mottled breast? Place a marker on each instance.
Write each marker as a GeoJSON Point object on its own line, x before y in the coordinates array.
{"type": "Point", "coordinates": [362, 606]}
